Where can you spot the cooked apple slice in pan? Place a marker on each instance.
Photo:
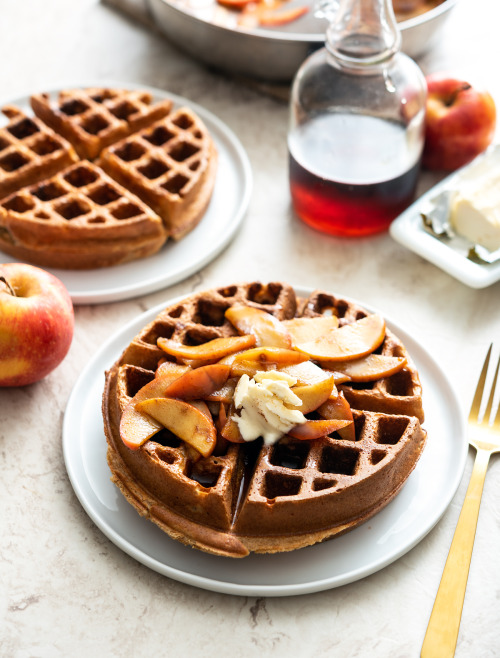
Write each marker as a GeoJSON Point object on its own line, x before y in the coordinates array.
{"type": "Point", "coordinates": [184, 420]}
{"type": "Point", "coordinates": [349, 342]}
{"type": "Point", "coordinates": [268, 330]}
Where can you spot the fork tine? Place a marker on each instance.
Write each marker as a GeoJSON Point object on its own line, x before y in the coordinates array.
{"type": "Point", "coordinates": [487, 413]}
{"type": "Point", "coordinates": [476, 402]}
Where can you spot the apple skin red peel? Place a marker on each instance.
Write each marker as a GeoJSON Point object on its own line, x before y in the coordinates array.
{"type": "Point", "coordinates": [460, 122]}
{"type": "Point", "coordinates": [36, 323]}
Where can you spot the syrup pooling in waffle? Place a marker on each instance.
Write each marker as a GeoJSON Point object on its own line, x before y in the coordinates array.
{"type": "Point", "coordinates": [91, 119]}
{"type": "Point", "coordinates": [170, 166]}
{"type": "Point", "coordinates": [29, 151]}
{"type": "Point", "coordinates": [79, 218]}
{"type": "Point", "coordinates": [209, 484]}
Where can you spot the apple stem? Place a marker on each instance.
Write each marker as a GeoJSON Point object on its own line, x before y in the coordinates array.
{"type": "Point", "coordinates": [463, 87]}
{"type": "Point", "coordinates": [9, 287]}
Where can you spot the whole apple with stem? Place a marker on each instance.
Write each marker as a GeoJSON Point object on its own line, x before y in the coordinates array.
{"type": "Point", "coordinates": [36, 323]}
{"type": "Point", "coordinates": [459, 123]}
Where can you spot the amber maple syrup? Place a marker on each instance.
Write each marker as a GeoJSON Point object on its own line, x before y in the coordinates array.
{"type": "Point", "coordinates": [351, 175]}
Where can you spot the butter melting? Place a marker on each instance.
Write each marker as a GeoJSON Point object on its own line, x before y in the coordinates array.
{"type": "Point", "coordinates": [266, 405]}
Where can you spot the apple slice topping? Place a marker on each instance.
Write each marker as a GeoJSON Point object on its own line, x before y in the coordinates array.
{"type": "Point", "coordinates": [313, 395]}
{"type": "Point", "coordinates": [184, 420]}
{"type": "Point", "coordinates": [264, 358]}
{"type": "Point", "coordinates": [213, 350]}
{"type": "Point", "coordinates": [371, 367]}
{"type": "Point", "coordinates": [315, 429]}
{"type": "Point", "coordinates": [260, 383]}
{"type": "Point", "coordinates": [339, 409]}
{"type": "Point", "coordinates": [303, 330]}
{"type": "Point", "coordinates": [350, 342]}
{"type": "Point", "coordinates": [199, 383]}
{"type": "Point", "coordinates": [268, 330]}
{"type": "Point", "coordinates": [135, 427]}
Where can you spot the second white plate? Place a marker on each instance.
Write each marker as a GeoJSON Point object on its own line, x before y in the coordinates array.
{"type": "Point", "coordinates": [449, 255]}
{"type": "Point", "coordinates": [176, 261]}
{"type": "Point", "coordinates": [368, 548]}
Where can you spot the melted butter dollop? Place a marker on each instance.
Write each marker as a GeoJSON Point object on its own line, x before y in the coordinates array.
{"type": "Point", "coordinates": [266, 403]}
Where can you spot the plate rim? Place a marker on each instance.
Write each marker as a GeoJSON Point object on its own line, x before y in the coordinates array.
{"type": "Point", "coordinates": [130, 329]}
{"type": "Point", "coordinates": [234, 149]}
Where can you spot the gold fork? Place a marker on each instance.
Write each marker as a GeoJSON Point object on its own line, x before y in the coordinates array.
{"type": "Point", "coordinates": [442, 632]}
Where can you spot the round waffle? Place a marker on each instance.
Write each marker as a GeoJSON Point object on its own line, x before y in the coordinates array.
{"type": "Point", "coordinates": [158, 174]}
{"type": "Point", "coordinates": [252, 497]}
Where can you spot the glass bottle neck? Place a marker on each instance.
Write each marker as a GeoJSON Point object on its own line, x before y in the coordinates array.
{"type": "Point", "coordinates": [363, 33]}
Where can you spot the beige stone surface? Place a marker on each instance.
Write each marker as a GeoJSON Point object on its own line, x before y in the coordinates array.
{"type": "Point", "coordinates": [65, 589]}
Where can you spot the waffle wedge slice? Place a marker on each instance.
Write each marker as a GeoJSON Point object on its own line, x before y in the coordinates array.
{"type": "Point", "coordinates": [78, 219]}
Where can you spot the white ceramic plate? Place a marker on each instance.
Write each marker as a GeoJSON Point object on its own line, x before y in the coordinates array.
{"type": "Point", "coordinates": [448, 254]}
{"type": "Point", "coordinates": [176, 261]}
{"type": "Point", "coordinates": [368, 548]}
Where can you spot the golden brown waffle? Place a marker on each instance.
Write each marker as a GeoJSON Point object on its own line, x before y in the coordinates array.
{"type": "Point", "coordinates": [78, 219]}
{"type": "Point", "coordinates": [29, 151]}
{"type": "Point", "coordinates": [249, 497]}
{"type": "Point", "coordinates": [91, 119]}
{"type": "Point", "coordinates": [171, 166]}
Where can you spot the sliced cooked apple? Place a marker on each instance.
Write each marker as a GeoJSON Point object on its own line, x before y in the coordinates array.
{"type": "Point", "coordinates": [351, 341]}
{"type": "Point", "coordinates": [264, 358]}
{"type": "Point", "coordinates": [315, 429]}
{"type": "Point", "coordinates": [303, 330]}
{"type": "Point", "coordinates": [225, 393]}
{"type": "Point", "coordinates": [339, 409]}
{"type": "Point", "coordinates": [135, 427]}
{"type": "Point", "coordinates": [234, 4]}
{"type": "Point", "coordinates": [213, 350]}
{"type": "Point", "coordinates": [198, 384]}
{"type": "Point", "coordinates": [314, 395]}
{"type": "Point", "coordinates": [268, 330]}
{"type": "Point", "coordinates": [371, 367]}
{"type": "Point", "coordinates": [282, 17]}
{"type": "Point", "coordinates": [339, 377]}
{"type": "Point", "coordinates": [230, 431]}
{"type": "Point", "coordinates": [306, 373]}
{"type": "Point", "coordinates": [184, 420]}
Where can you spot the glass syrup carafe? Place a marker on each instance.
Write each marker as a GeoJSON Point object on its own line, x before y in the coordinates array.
{"type": "Point", "coordinates": [356, 129]}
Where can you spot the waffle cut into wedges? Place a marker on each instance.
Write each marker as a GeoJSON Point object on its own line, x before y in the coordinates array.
{"type": "Point", "coordinates": [78, 219]}
{"type": "Point", "coordinates": [156, 180]}
{"type": "Point", "coordinates": [245, 419]}
{"type": "Point", "coordinates": [29, 151]}
{"type": "Point", "coordinates": [171, 166]}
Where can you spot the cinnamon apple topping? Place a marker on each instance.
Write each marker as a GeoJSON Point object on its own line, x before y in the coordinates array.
{"type": "Point", "coordinates": [247, 419]}
{"type": "Point", "coordinates": [275, 379]}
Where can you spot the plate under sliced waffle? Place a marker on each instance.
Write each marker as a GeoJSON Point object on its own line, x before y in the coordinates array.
{"type": "Point", "coordinates": [252, 497]}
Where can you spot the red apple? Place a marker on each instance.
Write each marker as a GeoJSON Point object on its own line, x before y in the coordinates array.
{"type": "Point", "coordinates": [459, 124]}
{"type": "Point", "coordinates": [36, 323]}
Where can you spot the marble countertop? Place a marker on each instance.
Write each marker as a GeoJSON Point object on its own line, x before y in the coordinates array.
{"type": "Point", "coordinates": [65, 589]}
